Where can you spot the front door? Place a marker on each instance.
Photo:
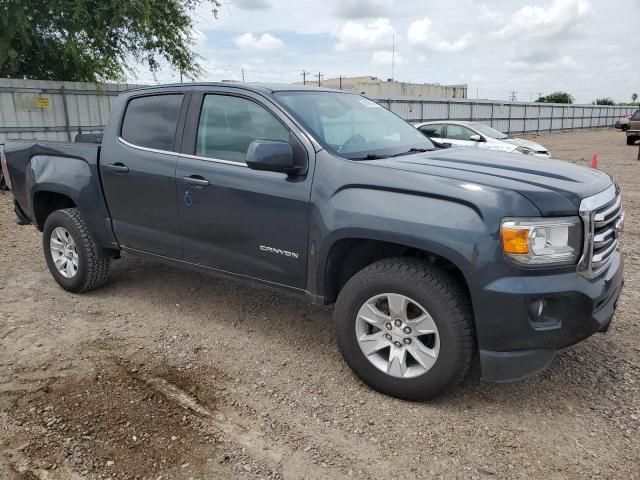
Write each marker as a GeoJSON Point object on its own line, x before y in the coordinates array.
{"type": "Point", "coordinates": [138, 174]}
{"type": "Point", "coordinates": [247, 222]}
{"type": "Point", "coordinates": [459, 135]}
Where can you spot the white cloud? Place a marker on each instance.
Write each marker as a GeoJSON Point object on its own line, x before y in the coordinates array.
{"type": "Point", "coordinates": [558, 17]}
{"type": "Point", "coordinates": [352, 9]}
{"type": "Point", "coordinates": [565, 63]}
{"type": "Point", "coordinates": [384, 58]}
{"type": "Point", "coordinates": [421, 35]}
{"type": "Point", "coordinates": [252, 4]}
{"type": "Point", "coordinates": [375, 35]}
{"type": "Point", "coordinates": [266, 41]}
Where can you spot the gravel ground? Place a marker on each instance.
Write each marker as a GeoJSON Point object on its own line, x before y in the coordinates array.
{"type": "Point", "coordinates": [176, 375]}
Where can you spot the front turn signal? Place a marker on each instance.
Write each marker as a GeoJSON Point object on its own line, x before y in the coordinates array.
{"type": "Point", "coordinates": [515, 241]}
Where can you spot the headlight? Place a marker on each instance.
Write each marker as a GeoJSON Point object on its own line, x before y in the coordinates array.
{"type": "Point", "coordinates": [542, 241]}
{"type": "Point", "coordinates": [526, 151]}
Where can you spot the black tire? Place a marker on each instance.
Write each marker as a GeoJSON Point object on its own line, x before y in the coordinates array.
{"type": "Point", "coordinates": [631, 140]}
{"type": "Point", "coordinates": [93, 271]}
{"type": "Point", "coordinates": [440, 294]}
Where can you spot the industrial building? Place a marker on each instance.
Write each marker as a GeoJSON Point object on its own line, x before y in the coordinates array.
{"type": "Point", "coordinates": [375, 87]}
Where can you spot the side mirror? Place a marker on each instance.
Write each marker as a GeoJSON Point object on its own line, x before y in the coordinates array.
{"type": "Point", "coordinates": [476, 138]}
{"type": "Point", "coordinates": [271, 156]}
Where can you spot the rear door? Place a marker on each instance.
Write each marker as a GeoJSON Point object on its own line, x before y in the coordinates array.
{"type": "Point", "coordinates": [247, 222]}
{"type": "Point", "coordinates": [433, 130]}
{"type": "Point", "coordinates": [138, 169]}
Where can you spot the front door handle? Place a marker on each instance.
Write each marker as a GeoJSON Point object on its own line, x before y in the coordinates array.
{"type": "Point", "coordinates": [118, 167]}
{"type": "Point", "coordinates": [196, 180]}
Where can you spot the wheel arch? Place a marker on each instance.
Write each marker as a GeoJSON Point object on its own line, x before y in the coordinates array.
{"type": "Point", "coordinates": [348, 255]}
{"type": "Point", "coordinates": [45, 202]}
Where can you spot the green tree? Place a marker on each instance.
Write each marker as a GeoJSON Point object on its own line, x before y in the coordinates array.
{"type": "Point", "coordinates": [556, 97]}
{"type": "Point", "coordinates": [604, 101]}
{"type": "Point", "coordinates": [634, 97]}
{"type": "Point", "coordinates": [96, 40]}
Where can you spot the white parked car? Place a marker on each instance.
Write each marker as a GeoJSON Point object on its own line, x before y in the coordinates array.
{"type": "Point", "coordinates": [478, 135]}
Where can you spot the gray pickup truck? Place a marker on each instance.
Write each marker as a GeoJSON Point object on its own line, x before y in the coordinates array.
{"type": "Point", "coordinates": [433, 257]}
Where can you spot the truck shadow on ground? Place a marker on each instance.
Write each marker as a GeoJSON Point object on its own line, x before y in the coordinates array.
{"type": "Point", "coordinates": [591, 368]}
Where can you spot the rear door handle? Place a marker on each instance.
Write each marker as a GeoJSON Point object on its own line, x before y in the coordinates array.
{"type": "Point", "coordinates": [196, 180]}
{"type": "Point", "coordinates": [118, 167]}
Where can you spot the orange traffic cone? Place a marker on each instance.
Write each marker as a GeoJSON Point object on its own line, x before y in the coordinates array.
{"type": "Point", "coordinates": [594, 161]}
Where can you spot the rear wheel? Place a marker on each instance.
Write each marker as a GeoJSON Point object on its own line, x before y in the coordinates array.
{"type": "Point", "coordinates": [405, 328]}
{"type": "Point", "coordinates": [71, 253]}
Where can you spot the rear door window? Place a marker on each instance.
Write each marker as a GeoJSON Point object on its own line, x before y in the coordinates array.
{"type": "Point", "coordinates": [151, 121]}
{"type": "Point", "coordinates": [229, 124]}
{"type": "Point", "coordinates": [432, 131]}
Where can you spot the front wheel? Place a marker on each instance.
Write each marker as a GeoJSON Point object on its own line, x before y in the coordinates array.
{"type": "Point", "coordinates": [71, 253]}
{"type": "Point", "coordinates": [405, 328]}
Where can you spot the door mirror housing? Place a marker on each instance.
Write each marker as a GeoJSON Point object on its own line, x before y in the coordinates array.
{"type": "Point", "coordinates": [476, 138]}
{"type": "Point", "coordinates": [271, 156]}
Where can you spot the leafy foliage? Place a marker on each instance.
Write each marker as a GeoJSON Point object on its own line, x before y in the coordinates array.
{"type": "Point", "coordinates": [556, 97]}
{"type": "Point", "coordinates": [634, 97]}
{"type": "Point", "coordinates": [96, 40]}
{"type": "Point", "coordinates": [604, 101]}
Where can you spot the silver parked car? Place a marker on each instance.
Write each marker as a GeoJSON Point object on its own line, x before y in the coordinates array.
{"type": "Point", "coordinates": [479, 135]}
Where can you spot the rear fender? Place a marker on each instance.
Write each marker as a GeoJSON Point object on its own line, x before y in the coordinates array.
{"type": "Point", "coordinates": [77, 180]}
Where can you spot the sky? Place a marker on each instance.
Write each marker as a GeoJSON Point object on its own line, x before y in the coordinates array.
{"type": "Point", "coordinates": [585, 47]}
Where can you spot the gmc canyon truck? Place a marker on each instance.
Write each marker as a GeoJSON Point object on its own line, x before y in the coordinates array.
{"type": "Point", "coordinates": [434, 258]}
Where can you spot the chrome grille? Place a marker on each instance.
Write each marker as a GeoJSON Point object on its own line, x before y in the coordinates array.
{"type": "Point", "coordinates": [603, 219]}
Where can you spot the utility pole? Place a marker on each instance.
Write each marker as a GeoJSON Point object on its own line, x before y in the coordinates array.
{"type": "Point", "coordinates": [539, 95]}
{"type": "Point", "coordinates": [340, 82]}
{"type": "Point", "coordinates": [180, 75]}
{"type": "Point", "coordinates": [513, 96]}
{"type": "Point", "coordinates": [393, 55]}
{"type": "Point", "coordinates": [304, 77]}
{"type": "Point", "coordinates": [243, 75]}
{"type": "Point", "coordinates": [320, 75]}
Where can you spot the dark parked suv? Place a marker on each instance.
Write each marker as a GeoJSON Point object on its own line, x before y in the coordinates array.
{"type": "Point", "coordinates": [431, 256]}
{"type": "Point", "coordinates": [633, 131]}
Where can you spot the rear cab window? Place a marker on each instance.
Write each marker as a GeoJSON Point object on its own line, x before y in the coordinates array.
{"type": "Point", "coordinates": [151, 121]}
{"type": "Point", "coordinates": [636, 116]}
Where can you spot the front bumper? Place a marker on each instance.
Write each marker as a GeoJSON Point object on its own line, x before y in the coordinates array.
{"type": "Point", "coordinates": [522, 319]}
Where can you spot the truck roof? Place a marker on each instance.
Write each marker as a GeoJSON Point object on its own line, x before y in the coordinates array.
{"type": "Point", "coordinates": [251, 86]}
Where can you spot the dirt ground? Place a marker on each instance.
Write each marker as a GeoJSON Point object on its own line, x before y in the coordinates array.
{"type": "Point", "coordinates": [169, 374]}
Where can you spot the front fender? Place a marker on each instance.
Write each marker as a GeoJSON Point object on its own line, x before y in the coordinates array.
{"type": "Point", "coordinates": [455, 220]}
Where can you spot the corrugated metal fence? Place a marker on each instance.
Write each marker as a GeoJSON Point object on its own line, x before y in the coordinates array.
{"type": "Point", "coordinates": [33, 109]}
{"type": "Point", "coordinates": [508, 117]}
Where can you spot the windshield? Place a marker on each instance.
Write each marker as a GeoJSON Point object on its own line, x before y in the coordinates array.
{"type": "Point", "coordinates": [488, 131]}
{"type": "Point", "coordinates": [352, 126]}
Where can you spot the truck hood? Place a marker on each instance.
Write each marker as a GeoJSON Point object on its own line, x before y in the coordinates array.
{"type": "Point", "coordinates": [554, 187]}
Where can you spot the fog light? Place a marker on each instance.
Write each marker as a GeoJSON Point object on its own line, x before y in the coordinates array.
{"type": "Point", "coordinates": [536, 308]}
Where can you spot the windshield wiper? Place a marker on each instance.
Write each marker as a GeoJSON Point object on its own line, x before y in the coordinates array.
{"type": "Point", "coordinates": [370, 156]}
{"type": "Point", "coordinates": [412, 150]}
